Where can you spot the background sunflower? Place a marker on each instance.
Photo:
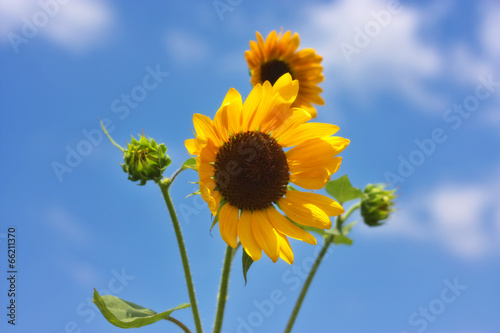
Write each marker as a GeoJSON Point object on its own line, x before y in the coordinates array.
{"type": "Point", "coordinates": [269, 59]}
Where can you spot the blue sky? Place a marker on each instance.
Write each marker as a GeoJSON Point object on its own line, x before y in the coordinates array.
{"type": "Point", "coordinates": [415, 88]}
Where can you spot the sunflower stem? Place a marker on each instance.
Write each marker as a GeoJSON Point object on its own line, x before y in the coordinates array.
{"type": "Point", "coordinates": [171, 180]}
{"type": "Point", "coordinates": [306, 285]}
{"type": "Point", "coordinates": [164, 186]}
{"type": "Point", "coordinates": [224, 281]}
{"type": "Point", "coordinates": [178, 323]}
{"type": "Point", "coordinates": [342, 218]}
{"type": "Point", "coordinates": [328, 241]}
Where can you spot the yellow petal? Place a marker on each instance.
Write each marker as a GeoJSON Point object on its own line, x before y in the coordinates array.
{"type": "Point", "coordinates": [305, 213]}
{"type": "Point", "coordinates": [294, 44]}
{"type": "Point", "coordinates": [306, 57]}
{"type": "Point", "coordinates": [313, 151]}
{"type": "Point", "coordinates": [253, 56]}
{"type": "Point", "coordinates": [228, 224]}
{"type": "Point", "coordinates": [212, 198]}
{"type": "Point", "coordinates": [246, 236]}
{"type": "Point", "coordinates": [297, 117]}
{"type": "Point", "coordinates": [233, 100]}
{"type": "Point", "coordinates": [221, 123]}
{"type": "Point", "coordinates": [205, 170]}
{"type": "Point", "coordinates": [315, 98]}
{"type": "Point", "coordinates": [265, 234]}
{"type": "Point", "coordinates": [194, 146]}
{"type": "Point", "coordinates": [326, 204]}
{"type": "Point", "coordinates": [284, 226]}
{"type": "Point", "coordinates": [306, 132]}
{"type": "Point", "coordinates": [307, 107]}
{"type": "Point", "coordinates": [334, 164]}
{"type": "Point", "coordinates": [256, 119]}
{"type": "Point", "coordinates": [285, 42]}
{"type": "Point", "coordinates": [204, 127]}
{"type": "Point", "coordinates": [254, 47]}
{"type": "Point", "coordinates": [286, 252]}
{"type": "Point", "coordinates": [250, 106]}
{"type": "Point", "coordinates": [209, 153]}
{"type": "Point", "coordinates": [260, 40]}
{"type": "Point", "coordinates": [271, 43]}
{"type": "Point", "coordinates": [314, 177]}
{"type": "Point", "coordinates": [210, 183]}
{"type": "Point", "coordinates": [217, 196]}
{"type": "Point", "coordinates": [286, 88]}
{"type": "Point", "coordinates": [276, 109]}
{"type": "Point", "coordinates": [311, 180]}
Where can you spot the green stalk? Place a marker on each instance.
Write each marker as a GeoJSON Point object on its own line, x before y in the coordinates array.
{"type": "Point", "coordinates": [328, 241]}
{"type": "Point", "coordinates": [306, 285]}
{"type": "Point", "coordinates": [224, 281]}
{"type": "Point", "coordinates": [178, 323]}
{"type": "Point", "coordinates": [164, 186]}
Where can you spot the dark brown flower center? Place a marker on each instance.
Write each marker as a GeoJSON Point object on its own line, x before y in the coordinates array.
{"type": "Point", "coordinates": [272, 70]}
{"type": "Point", "coordinates": [251, 170]}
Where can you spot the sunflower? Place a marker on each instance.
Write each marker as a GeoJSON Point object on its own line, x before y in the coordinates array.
{"type": "Point", "coordinates": [246, 159]}
{"type": "Point", "coordinates": [268, 60]}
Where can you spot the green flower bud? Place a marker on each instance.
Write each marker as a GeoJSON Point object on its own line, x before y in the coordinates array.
{"type": "Point", "coordinates": [145, 160]}
{"type": "Point", "coordinates": [376, 204]}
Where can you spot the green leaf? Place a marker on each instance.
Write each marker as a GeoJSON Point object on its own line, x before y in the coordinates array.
{"type": "Point", "coordinates": [347, 228]}
{"type": "Point", "coordinates": [341, 235]}
{"type": "Point", "coordinates": [342, 190]}
{"type": "Point", "coordinates": [190, 163]}
{"type": "Point", "coordinates": [342, 239]}
{"type": "Point", "coordinates": [247, 262]}
{"type": "Point", "coordinates": [127, 314]}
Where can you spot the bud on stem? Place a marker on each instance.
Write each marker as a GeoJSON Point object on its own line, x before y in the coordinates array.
{"type": "Point", "coordinates": [144, 158]}
{"type": "Point", "coordinates": [376, 204]}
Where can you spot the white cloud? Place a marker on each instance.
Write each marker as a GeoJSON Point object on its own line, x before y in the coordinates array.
{"type": "Point", "coordinates": [394, 56]}
{"type": "Point", "coordinates": [81, 24]}
{"type": "Point", "coordinates": [77, 25]}
{"type": "Point", "coordinates": [458, 214]}
{"type": "Point", "coordinates": [490, 30]}
{"type": "Point", "coordinates": [12, 13]}
{"type": "Point", "coordinates": [390, 53]}
{"type": "Point", "coordinates": [463, 218]}
{"type": "Point", "coordinates": [186, 48]}
{"type": "Point", "coordinates": [456, 205]}
{"type": "Point", "coordinates": [489, 36]}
